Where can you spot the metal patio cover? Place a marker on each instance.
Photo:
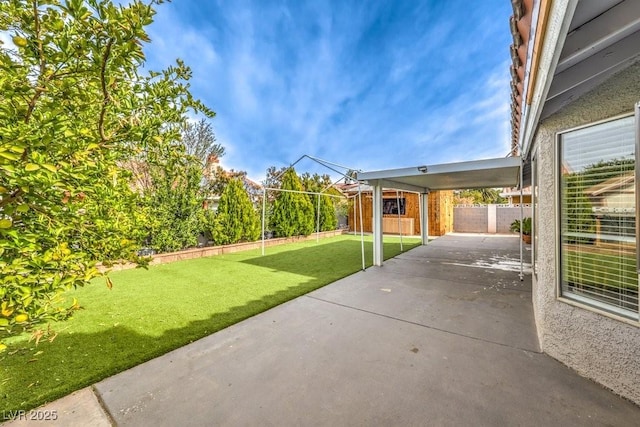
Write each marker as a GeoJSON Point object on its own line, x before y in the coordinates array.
{"type": "Point", "coordinates": [488, 173]}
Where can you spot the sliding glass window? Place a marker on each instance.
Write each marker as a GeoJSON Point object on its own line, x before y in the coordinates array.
{"type": "Point", "coordinates": [597, 216]}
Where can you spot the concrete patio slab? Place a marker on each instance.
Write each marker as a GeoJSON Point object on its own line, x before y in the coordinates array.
{"type": "Point", "coordinates": [79, 409]}
{"type": "Point", "coordinates": [430, 338]}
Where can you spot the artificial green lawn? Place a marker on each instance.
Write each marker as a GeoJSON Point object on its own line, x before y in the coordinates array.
{"type": "Point", "coordinates": [599, 270]}
{"type": "Point", "coordinates": [150, 312]}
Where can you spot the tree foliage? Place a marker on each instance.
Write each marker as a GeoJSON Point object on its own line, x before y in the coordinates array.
{"type": "Point", "coordinates": [481, 196]}
{"type": "Point", "coordinates": [577, 212]}
{"type": "Point", "coordinates": [220, 178]}
{"type": "Point", "coordinates": [73, 110]}
{"type": "Point", "coordinates": [324, 210]}
{"type": "Point", "coordinates": [578, 218]}
{"type": "Point", "coordinates": [292, 213]}
{"type": "Point", "coordinates": [174, 203]}
{"type": "Point", "coordinates": [199, 141]}
{"type": "Point", "coordinates": [236, 219]}
{"type": "Point", "coordinates": [274, 180]}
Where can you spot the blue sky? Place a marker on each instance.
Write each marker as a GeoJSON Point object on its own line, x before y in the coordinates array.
{"type": "Point", "coordinates": [366, 84]}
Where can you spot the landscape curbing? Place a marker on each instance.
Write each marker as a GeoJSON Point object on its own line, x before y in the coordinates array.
{"type": "Point", "coordinates": [206, 251]}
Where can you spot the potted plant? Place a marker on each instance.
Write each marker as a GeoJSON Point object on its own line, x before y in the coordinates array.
{"type": "Point", "coordinates": [525, 226]}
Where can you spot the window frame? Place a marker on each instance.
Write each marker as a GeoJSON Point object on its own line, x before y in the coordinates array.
{"type": "Point", "coordinates": [558, 217]}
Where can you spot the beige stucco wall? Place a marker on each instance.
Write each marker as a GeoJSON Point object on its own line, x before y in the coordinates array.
{"type": "Point", "coordinates": [599, 347]}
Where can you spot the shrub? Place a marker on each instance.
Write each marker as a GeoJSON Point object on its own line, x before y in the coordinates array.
{"type": "Point", "coordinates": [236, 220]}
{"type": "Point", "coordinates": [292, 212]}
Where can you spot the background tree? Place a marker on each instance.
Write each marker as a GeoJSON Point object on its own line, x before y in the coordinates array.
{"type": "Point", "coordinates": [274, 180]}
{"type": "Point", "coordinates": [292, 213]}
{"type": "Point", "coordinates": [321, 184]}
{"type": "Point", "coordinates": [174, 203]}
{"type": "Point", "coordinates": [481, 196]}
{"type": "Point", "coordinates": [73, 109]}
{"type": "Point", "coordinates": [236, 219]}
{"type": "Point", "coordinates": [199, 141]}
{"type": "Point", "coordinates": [221, 178]}
{"type": "Point", "coordinates": [578, 218]}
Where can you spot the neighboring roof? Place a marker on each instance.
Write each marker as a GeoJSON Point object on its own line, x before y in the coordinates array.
{"type": "Point", "coordinates": [514, 192]}
{"type": "Point", "coordinates": [489, 173]}
{"type": "Point", "coordinates": [571, 47]}
{"type": "Point", "coordinates": [611, 184]}
{"type": "Point", "coordinates": [353, 188]}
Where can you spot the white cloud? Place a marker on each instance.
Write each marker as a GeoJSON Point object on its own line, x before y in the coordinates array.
{"type": "Point", "coordinates": [300, 78]}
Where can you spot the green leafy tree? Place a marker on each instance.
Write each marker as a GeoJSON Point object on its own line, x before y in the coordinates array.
{"type": "Point", "coordinates": [220, 178]}
{"type": "Point", "coordinates": [292, 212]}
{"type": "Point", "coordinates": [174, 203]}
{"type": "Point", "coordinates": [73, 110]}
{"type": "Point", "coordinates": [326, 209]}
{"type": "Point", "coordinates": [274, 180]}
{"type": "Point", "coordinates": [199, 141]}
{"type": "Point", "coordinates": [578, 219]}
{"type": "Point", "coordinates": [236, 219]}
{"type": "Point", "coordinates": [480, 196]}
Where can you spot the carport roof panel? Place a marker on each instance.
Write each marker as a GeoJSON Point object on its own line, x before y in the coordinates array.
{"type": "Point", "coordinates": [489, 173]}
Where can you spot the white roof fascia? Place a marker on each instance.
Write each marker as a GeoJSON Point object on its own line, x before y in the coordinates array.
{"type": "Point", "coordinates": [474, 165]}
{"type": "Point", "coordinates": [443, 168]}
{"type": "Point", "coordinates": [559, 21]}
{"type": "Point", "coordinates": [447, 176]}
{"type": "Point", "coordinates": [395, 185]}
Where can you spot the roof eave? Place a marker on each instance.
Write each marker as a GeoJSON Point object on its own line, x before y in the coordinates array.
{"type": "Point", "coordinates": [553, 22]}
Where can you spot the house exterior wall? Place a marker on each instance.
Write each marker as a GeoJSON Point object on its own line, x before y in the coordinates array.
{"type": "Point", "coordinates": [598, 346]}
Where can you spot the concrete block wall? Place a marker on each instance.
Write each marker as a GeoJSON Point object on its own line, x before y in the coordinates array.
{"type": "Point", "coordinates": [470, 219]}
{"type": "Point", "coordinates": [505, 215]}
{"type": "Point", "coordinates": [220, 250]}
{"type": "Point", "coordinates": [486, 218]}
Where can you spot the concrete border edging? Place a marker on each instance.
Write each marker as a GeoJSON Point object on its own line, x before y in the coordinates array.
{"type": "Point", "coordinates": [194, 253]}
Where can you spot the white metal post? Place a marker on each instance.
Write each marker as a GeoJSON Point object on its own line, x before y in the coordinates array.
{"type": "Point", "coordinates": [318, 221]}
{"type": "Point", "coordinates": [264, 209]}
{"type": "Point", "coordinates": [378, 255]}
{"type": "Point", "coordinates": [361, 226]}
{"type": "Point", "coordinates": [399, 220]}
{"type": "Point", "coordinates": [424, 217]}
{"type": "Point", "coordinates": [521, 217]}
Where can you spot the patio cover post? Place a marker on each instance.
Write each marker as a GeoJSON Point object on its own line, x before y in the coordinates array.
{"type": "Point", "coordinates": [424, 217]}
{"type": "Point", "coordinates": [364, 265]}
{"type": "Point", "coordinates": [399, 220]}
{"type": "Point", "coordinates": [377, 225]}
{"type": "Point", "coordinates": [521, 218]}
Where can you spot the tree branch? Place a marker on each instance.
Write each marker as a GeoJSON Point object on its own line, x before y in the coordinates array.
{"type": "Point", "coordinates": [105, 93]}
{"type": "Point", "coordinates": [4, 201]}
{"type": "Point", "coordinates": [40, 87]}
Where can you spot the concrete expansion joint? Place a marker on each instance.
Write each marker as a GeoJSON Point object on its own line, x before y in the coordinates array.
{"type": "Point", "coordinates": [103, 406]}
{"type": "Point", "coordinates": [526, 350]}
